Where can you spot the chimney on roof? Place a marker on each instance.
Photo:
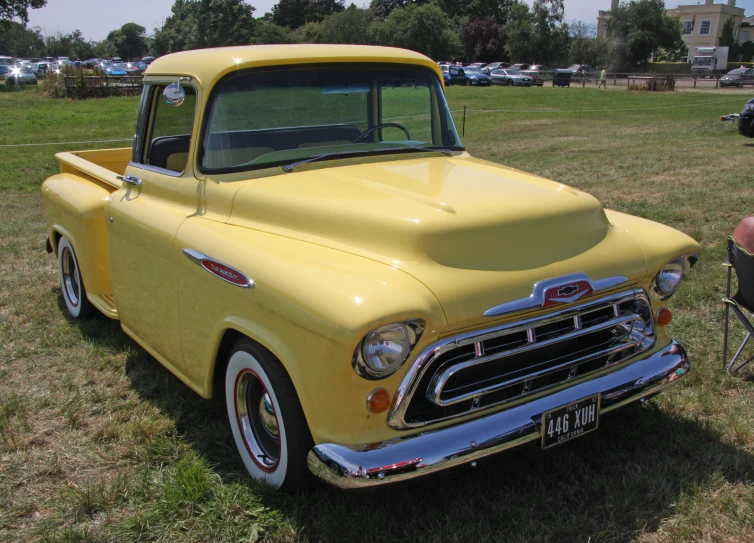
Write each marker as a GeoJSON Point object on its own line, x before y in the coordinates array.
{"type": "Point", "coordinates": [732, 3]}
{"type": "Point", "coordinates": [614, 4]}
{"type": "Point", "coordinates": [708, 2]}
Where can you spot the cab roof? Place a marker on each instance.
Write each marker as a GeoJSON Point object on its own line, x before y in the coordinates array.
{"type": "Point", "coordinates": [209, 65]}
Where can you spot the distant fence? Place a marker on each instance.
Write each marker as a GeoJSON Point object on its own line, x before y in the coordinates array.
{"type": "Point", "coordinates": [79, 86]}
{"type": "Point", "coordinates": [631, 80]}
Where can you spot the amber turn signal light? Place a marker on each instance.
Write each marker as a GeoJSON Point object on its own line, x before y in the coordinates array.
{"type": "Point", "coordinates": [378, 400]}
{"type": "Point", "coordinates": [664, 317]}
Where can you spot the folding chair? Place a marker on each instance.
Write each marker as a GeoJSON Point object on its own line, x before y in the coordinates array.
{"type": "Point", "coordinates": [743, 263]}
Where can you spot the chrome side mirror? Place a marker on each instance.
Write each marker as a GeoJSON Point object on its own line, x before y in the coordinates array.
{"type": "Point", "coordinates": [174, 95]}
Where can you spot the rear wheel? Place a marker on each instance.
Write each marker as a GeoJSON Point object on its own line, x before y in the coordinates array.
{"type": "Point", "coordinates": [71, 283]}
{"type": "Point", "coordinates": [510, 82]}
{"type": "Point", "coordinates": [265, 416]}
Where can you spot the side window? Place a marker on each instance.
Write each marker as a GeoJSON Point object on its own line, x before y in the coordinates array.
{"type": "Point", "coordinates": [168, 133]}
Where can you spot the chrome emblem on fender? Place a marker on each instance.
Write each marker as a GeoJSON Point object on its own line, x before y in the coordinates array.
{"type": "Point", "coordinates": [220, 269]}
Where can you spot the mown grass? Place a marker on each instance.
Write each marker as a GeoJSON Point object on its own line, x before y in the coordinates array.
{"type": "Point", "coordinates": [100, 443]}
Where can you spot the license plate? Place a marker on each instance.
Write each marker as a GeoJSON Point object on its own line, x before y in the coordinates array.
{"type": "Point", "coordinates": [570, 421]}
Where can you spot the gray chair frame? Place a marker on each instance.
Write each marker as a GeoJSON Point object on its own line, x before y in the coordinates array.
{"type": "Point", "coordinates": [743, 263]}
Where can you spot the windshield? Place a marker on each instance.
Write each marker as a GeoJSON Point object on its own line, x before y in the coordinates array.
{"type": "Point", "coordinates": [702, 61]}
{"type": "Point", "coordinates": [736, 72]}
{"type": "Point", "coordinates": [472, 70]}
{"type": "Point", "coordinates": [512, 72]}
{"type": "Point", "coordinates": [268, 118]}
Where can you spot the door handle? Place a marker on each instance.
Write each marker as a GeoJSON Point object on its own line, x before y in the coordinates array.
{"type": "Point", "coordinates": [130, 179]}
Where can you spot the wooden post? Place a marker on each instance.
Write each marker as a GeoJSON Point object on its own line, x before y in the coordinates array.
{"type": "Point", "coordinates": [694, 81]}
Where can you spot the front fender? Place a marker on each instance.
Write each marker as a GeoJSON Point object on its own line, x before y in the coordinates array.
{"type": "Point", "coordinates": [310, 306]}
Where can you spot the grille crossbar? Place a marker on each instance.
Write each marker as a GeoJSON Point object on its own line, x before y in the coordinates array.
{"type": "Point", "coordinates": [495, 366]}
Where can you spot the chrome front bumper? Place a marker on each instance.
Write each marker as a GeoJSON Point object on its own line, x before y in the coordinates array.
{"type": "Point", "coordinates": [435, 450]}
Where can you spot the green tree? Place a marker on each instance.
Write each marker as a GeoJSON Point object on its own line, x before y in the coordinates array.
{"type": "Point", "coordinates": [272, 33]}
{"type": "Point", "coordinates": [18, 41]}
{"type": "Point", "coordinates": [71, 45]}
{"type": "Point", "coordinates": [18, 9]}
{"type": "Point", "coordinates": [728, 33]}
{"type": "Point", "coordinates": [639, 28]}
{"type": "Point", "coordinates": [297, 13]}
{"type": "Point", "coordinates": [195, 24]}
{"type": "Point", "coordinates": [130, 40]}
{"type": "Point", "coordinates": [348, 26]}
{"type": "Point", "coordinates": [519, 33]}
{"type": "Point", "coordinates": [425, 28]}
{"type": "Point", "coordinates": [483, 40]}
{"type": "Point", "coordinates": [584, 47]}
{"type": "Point", "coordinates": [382, 8]}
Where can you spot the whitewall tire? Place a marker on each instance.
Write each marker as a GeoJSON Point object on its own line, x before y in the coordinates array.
{"type": "Point", "coordinates": [71, 283]}
{"type": "Point", "coordinates": [265, 417]}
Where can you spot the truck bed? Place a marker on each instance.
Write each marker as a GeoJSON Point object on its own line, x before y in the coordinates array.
{"type": "Point", "coordinates": [75, 201]}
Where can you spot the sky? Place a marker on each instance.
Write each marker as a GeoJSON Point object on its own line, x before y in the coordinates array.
{"type": "Point", "coordinates": [96, 19]}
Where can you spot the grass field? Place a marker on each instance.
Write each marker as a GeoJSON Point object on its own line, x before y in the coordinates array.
{"type": "Point", "coordinates": [100, 443]}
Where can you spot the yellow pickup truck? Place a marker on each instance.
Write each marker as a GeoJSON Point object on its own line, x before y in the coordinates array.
{"type": "Point", "coordinates": [300, 229]}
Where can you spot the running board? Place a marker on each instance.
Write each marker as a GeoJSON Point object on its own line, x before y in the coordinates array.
{"type": "Point", "coordinates": [105, 304]}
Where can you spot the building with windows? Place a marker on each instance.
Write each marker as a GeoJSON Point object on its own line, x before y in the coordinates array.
{"type": "Point", "coordinates": [702, 23]}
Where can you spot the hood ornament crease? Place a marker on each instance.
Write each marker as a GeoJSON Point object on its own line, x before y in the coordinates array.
{"type": "Point", "coordinates": [558, 290]}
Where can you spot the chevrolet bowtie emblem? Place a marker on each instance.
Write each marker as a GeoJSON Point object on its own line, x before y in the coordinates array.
{"type": "Point", "coordinates": [565, 294]}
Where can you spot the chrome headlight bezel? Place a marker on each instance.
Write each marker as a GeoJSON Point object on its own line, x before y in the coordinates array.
{"type": "Point", "coordinates": [362, 365]}
{"type": "Point", "coordinates": [668, 280]}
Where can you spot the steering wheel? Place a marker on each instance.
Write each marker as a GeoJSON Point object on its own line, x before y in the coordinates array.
{"type": "Point", "coordinates": [377, 127]}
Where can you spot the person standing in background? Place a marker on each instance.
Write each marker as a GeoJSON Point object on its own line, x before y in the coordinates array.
{"type": "Point", "coordinates": [603, 78]}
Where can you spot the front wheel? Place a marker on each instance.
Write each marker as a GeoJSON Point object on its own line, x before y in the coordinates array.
{"type": "Point", "coordinates": [71, 283]}
{"type": "Point", "coordinates": [265, 416]}
{"type": "Point", "coordinates": [510, 82]}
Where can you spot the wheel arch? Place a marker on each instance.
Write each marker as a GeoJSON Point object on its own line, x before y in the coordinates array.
{"type": "Point", "coordinates": [232, 330]}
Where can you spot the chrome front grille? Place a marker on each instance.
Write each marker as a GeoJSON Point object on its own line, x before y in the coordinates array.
{"type": "Point", "coordinates": [486, 368]}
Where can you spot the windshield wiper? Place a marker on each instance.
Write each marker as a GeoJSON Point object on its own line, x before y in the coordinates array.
{"type": "Point", "coordinates": [292, 165]}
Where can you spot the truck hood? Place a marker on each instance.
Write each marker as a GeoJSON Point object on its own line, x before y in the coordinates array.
{"type": "Point", "coordinates": [477, 234]}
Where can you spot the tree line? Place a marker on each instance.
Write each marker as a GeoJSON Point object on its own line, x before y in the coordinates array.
{"type": "Point", "coordinates": [467, 30]}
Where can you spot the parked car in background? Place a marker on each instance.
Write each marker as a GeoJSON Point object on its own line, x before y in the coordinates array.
{"type": "Point", "coordinates": [580, 71]}
{"type": "Point", "coordinates": [20, 75]}
{"type": "Point", "coordinates": [476, 77]}
{"type": "Point", "coordinates": [457, 76]}
{"type": "Point", "coordinates": [5, 65]}
{"type": "Point", "coordinates": [116, 60]}
{"type": "Point", "coordinates": [92, 63]}
{"type": "Point", "coordinates": [39, 68]}
{"type": "Point", "coordinates": [478, 65]}
{"type": "Point", "coordinates": [115, 69]}
{"type": "Point", "coordinates": [536, 77]}
{"type": "Point", "coordinates": [511, 77]}
{"type": "Point", "coordinates": [541, 68]}
{"type": "Point", "coordinates": [132, 68]}
{"type": "Point", "coordinates": [738, 78]}
{"type": "Point", "coordinates": [494, 66]}
{"type": "Point", "coordinates": [520, 66]}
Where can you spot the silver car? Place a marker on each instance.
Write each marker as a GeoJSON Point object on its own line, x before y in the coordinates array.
{"type": "Point", "coordinates": [20, 75]}
{"type": "Point", "coordinates": [510, 77]}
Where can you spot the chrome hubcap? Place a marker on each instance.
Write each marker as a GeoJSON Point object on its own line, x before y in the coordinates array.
{"type": "Point", "coordinates": [70, 277]}
{"type": "Point", "coordinates": [258, 420]}
{"type": "Point", "coordinates": [267, 416]}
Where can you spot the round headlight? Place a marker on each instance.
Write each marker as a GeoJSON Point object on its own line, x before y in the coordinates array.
{"type": "Point", "coordinates": [670, 278]}
{"type": "Point", "coordinates": [386, 348]}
